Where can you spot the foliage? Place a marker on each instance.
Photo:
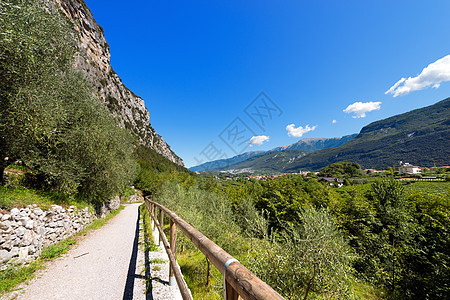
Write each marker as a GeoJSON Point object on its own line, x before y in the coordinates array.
{"type": "Point", "coordinates": [341, 170]}
{"type": "Point", "coordinates": [243, 231]}
{"type": "Point", "coordinates": [401, 236]}
{"type": "Point", "coordinates": [154, 169]}
{"type": "Point", "coordinates": [22, 197]}
{"type": "Point", "coordinates": [313, 257]}
{"type": "Point", "coordinates": [49, 119]}
{"type": "Point", "coordinates": [358, 181]}
{"type": "Point", "coordinates": [398, 234]}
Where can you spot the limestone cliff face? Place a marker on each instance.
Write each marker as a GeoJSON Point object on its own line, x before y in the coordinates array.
{"type": "Point", "coordinates": [94, 60]}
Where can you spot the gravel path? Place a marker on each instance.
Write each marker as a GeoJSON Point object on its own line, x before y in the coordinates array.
{"type": "Point", "coordinates": [106, 264]}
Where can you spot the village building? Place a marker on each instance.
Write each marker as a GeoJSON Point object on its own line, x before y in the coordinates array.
{"type": "Point", "coordinates": [406, 168]}
{"type": "Point", "coordinates": [333, 181]}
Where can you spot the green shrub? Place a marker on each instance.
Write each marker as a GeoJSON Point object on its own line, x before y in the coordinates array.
{"type": "Point", "coordinates": [313, 258]}
{"type": "Point", "coordinates": [359, 180]}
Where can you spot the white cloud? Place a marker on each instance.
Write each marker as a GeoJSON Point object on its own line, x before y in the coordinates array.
{"type": "Point", "coordinates": [334, 121]}
{"type": "Point", "coordinates": [258, 140]}
{"type": "Point", "coordinates": [299, 131]}
{"type": "Point", "coordinates": [433, 75]}
{"type": "Point", "coordinates": [361, 108]}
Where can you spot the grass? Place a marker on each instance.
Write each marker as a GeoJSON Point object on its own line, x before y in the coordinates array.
{"type": "Point", "coordinates": [365, 291]}
{"type": "Point", "coordinates": [14, 275]}
{"type": "Point", "coordinates": [22, 197]}
{"type": "Point", "coordinates": [149, 246]}
{"type": "Point", "coordinates": [193, 265]}
{"type": "Point", "coordinates": [156, 268]}
{"type": "Point", "coordinates": [97, 223]}
{"type": "Point", "coordinates": [158, 261]}
{"type": "Point", "coordinates": [56, 250]}
{"type": "Point", "coordinates": [441, 188]}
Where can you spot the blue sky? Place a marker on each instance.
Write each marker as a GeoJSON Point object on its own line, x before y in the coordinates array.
{"type": "Point", "coordinates": [199, 64]}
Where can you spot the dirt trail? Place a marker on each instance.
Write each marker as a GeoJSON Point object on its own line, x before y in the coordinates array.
{"type": "Point", "coordinates": [107, 264]}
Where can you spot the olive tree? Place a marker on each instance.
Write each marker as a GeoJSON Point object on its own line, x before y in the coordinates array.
{"type": "Point", "coordinates": [49, 118]}
{"type": "Point", "coordinates": [311, 257]}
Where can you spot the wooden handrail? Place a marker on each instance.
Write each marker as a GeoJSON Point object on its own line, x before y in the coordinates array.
{"type": "Point", "coordinates": [239, 282]}
{"type": "Point", "coordinates": [174, 270]}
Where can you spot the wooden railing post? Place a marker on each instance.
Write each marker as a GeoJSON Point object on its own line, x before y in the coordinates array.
{"type": "Point", "coordinates": [161, 224]}
{"type": "Point", "coordinates": [155, 228]}
{"type": "Point", "coordinates": [156, 235]}
{"type": "Point", "coordinates": [173, 249]}
{"type": "Point", "coordinates": [230, 292]}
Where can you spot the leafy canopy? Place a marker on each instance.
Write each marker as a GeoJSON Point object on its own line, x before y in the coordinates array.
{"type": "Point", "coordinates": [49, 119]}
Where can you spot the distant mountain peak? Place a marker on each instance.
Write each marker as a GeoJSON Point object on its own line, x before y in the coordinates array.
{"type": "Point", "coordinates": [315, 144]}
{"type": "Point", "coordinates": [303, 146]}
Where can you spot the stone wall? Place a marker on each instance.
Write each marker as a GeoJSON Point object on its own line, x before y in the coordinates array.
{"type": "Point", "coordinates": [24, 232]}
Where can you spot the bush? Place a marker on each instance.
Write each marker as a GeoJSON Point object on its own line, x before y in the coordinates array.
{"type": "Point", "coordinates": [313, 257]}
{"type": "Point", "coordinates": [359, 180]}
{"type": "Point", "coordinates": [342, 170]}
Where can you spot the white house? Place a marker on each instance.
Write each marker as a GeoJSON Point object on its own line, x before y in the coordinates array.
{"type": "Point", "coordinates": [407, 168]}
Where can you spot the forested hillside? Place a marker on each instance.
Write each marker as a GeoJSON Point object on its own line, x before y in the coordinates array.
{"type": "Point", "coordinates": [262, 161]}
{"type": "Point", "coordinates": [421, 136]}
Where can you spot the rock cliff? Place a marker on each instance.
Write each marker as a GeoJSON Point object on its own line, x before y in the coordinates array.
{"type": "Point", "coordinates": [94, 60]}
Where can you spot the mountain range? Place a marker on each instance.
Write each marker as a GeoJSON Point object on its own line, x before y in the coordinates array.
{"type": "Point", "coordinates": [269, 160]}
{"type": "Point", "coordinates": [421, 137]}
{"type": "Point", "coordinates": [315, 144]}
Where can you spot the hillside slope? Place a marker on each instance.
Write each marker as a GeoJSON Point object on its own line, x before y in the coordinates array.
{"type": "Point", "coordinates": [94, 60]}
{"type": "Point", "coordinates": [265, 158]}
{"type": "Point", "coordinates": [275, 161]}
{"type": "Point", "coordinates": [225, 163]}
{"type": "Point", "coordinates": [315, 144]}
{"type": "Point", "coordinates": [421, 137]}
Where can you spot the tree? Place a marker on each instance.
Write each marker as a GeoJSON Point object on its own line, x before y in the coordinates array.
{"type": "Point", "coordinates": [35, 48]}
{"type": "Point", "coordinates": [313, 257]}
{"type": "Point", "coordinates": [49, 119]}
{"type": "Point", "coordinates": [341, 170]}
{"type": "Point", "coordinates": [394, 230]}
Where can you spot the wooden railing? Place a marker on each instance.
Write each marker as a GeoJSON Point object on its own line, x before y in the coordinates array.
{"type": "Point", "coordinates": [239, 282]}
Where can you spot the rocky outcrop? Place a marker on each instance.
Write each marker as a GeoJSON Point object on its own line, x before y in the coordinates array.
{"type": "Point", "coordinates": [94, 60]}
{"type": "Point", "coordinates": [24, 232]}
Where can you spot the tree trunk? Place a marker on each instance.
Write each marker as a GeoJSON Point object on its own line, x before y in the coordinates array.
{"type": "Point", "coordinates": [309, 284]}
{"type": "Point", "coordinates": [208, 272]}
{"type": "Point", "coordinates": [2, 177]}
